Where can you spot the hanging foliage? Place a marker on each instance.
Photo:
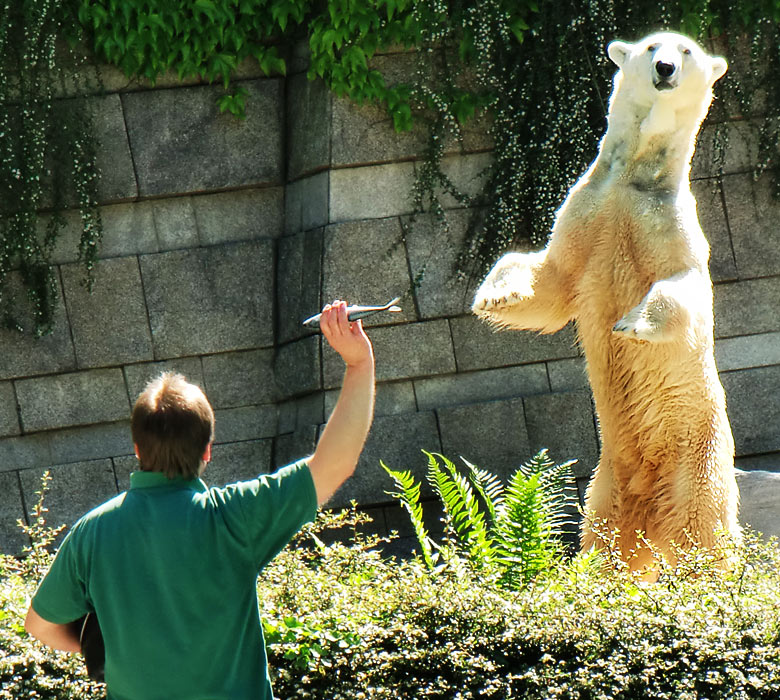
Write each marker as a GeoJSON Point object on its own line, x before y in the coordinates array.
{"type": "Point", "coordinates": [536, 71]}
{"type": "Point", "coordinates": [47, 157]}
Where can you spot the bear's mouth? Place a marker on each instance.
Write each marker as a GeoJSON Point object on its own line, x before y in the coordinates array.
{"type": "Point", "coordinates": [663, 84]}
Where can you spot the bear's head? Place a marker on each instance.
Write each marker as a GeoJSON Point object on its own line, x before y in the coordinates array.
{"type": "Point", "coordinates": [666, 66]}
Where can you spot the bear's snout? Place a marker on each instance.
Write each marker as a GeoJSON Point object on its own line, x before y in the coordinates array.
{"type": "Point", "coordinates": [665, 77]}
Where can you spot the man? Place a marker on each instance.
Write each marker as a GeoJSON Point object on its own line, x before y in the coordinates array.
{"type": "Point", "coordinates": [170, 567]}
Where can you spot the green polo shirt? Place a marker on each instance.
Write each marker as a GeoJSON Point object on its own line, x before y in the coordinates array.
{"type": "Point", "coordinates": [171, 569]}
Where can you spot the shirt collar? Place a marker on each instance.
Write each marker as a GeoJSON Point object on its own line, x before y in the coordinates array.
{"type": "Point", "coordinates": [145, 480]}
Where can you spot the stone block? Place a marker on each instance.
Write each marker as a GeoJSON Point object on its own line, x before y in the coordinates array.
{"type": "Point", "coordinates": [753, 405]}
{"type": "Point", "coordinates": [371, 192]}
{"type": "Point", "coordinates": [297, 368]}
{"type": "Point", "coordinates": [12, 539]}
{"type": "Point", "coordinates": [194, 148]}
{"type": "Point", "coordinates": [468, 173]}
{"type": "Point", "coordinates": [128, 229]}
{"type": "Point", "coordinates": [238, 461]}
{"type": "Point", "coordinates": [479, 346]}
{"type": "Point", "coordinates": [210, 299]}
{"type": "Point", "coordinates": [748, 306]}
{"type": "Point", "coordinates": [293, 446]}
{"type": "Point", "coordinates": [301, 413]}
{"type": "Point", "coordinates": [117, 170]}
{"type": "Point", "coordinates": [768, 462]}
{"type": "Point", "coordinates": [174, 222]}
{"type": "Point", "coordinates": [364, 262]}
{"type": "Point", "coordinates": [109, 325]}
{"type": "Point", "coordinates": [741, 152]}
{"type": "Point", "coordinates": [439, 289]}
{"type": "Point", "coordinates": [245, 423]}
{"type": "Point", "coordinates": [747, 351]}
{"type": "Point", "coordinates": [239, 378]}
{"type": "Point", "coordinates": [753, 214]}
{"type": "Point", "coordinates": [402, 352]}
{"type": "Point", "coordinates": [123, 467]}
{"type": "Point", "coordinates": [309, 111]}
{"type": "Point", "coordinates": [490, 435]}
{"type": "Point", "coordinates": [391, 398]}
{"type": "Point", "coordinates": [74, 490]}
{"type": "Point", "coordinates": [564, 424]}
{"type": "Point", "coordinates": [568, 375]}
{"type": "Point", "coordinates": [9, 416]}
{"type": "Point", "coordinates": [24, 355]}
{"type": "Point", "coordinates": [397, 441]}
{"type": "Point", "coordinates": [364, 134]}
{"type": "Point", "coordinates": [138, 376]}
{"type": "Point", "coordinates": [759, 500]}
{"type": "Point", "coordinates": [78, 398]}
{"type": "Point", "coordinates": [298, 282]}
{"type": "Point", "coordinates": [242, 215]}
{"type": "Point", "coordinates": [712, 217]}
{"type": "Point", "coordinates": [485, 385]}
{"type": "Point", "coordinates": [91, 442]}
{"type": "Point", "coordinates": [25, 452]}
{"type": "Point", "coordinates": [306, 203]}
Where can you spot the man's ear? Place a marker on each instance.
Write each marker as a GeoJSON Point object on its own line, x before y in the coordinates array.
{"type": "Point", "coordinates": [135, 449]}
{"type": "Point", "coordinates": [207, 454]}
{"type": "Point", "coordinates": [618, 52]}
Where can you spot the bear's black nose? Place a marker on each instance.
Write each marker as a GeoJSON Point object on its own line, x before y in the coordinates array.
{"type": "Point", "coordinates": [664, 69]}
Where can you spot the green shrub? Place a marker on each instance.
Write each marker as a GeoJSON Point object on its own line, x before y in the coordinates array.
{"type": "Point", "coordinates": [344, 622]}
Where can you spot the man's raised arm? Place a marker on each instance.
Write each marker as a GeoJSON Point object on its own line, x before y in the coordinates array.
{"type": "Point", "coordinates": [339, 447]}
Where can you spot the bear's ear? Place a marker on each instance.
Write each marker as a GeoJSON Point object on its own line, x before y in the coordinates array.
{"type": "Point", "coordinates": [618, 52]}
{"type": "Point", "coordinates": [719, 68]}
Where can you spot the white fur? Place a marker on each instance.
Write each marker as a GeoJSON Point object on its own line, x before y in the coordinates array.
{"type": "Point", "coordinates": [627, 261]}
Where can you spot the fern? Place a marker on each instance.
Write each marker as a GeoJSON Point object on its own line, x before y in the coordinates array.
{"type": "Point", "coordinates": [517, 529]}
{"type": "Point", "coordinates": [462, 509]}
{"type": "Point", "coordinates": [409, 495]}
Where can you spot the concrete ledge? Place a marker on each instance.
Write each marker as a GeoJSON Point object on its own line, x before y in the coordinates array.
{"type": "Point", "coordinates": [759, 493]}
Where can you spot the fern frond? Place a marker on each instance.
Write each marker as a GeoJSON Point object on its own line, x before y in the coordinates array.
{"type": "Point", "coordinates": [409, 496]}
{"type": "Point", "coordinates": [488, 486]}
{"type": "Point", "coordinates": [462, 508]}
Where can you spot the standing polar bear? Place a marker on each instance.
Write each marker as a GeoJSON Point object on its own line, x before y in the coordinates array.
{"type": "Point", "coordinates": [627, 260]}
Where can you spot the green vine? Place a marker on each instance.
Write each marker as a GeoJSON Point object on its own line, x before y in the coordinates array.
{"type": "Point", "coordinates": [535, 70]}
{"type": "Point", "coordinates": [47, 156]}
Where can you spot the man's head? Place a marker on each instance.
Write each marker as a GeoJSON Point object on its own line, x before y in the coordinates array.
{"type": "Point", "coordinates": [172, 426]}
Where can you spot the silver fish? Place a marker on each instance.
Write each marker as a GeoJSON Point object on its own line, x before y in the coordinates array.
{"type": "Point", "coordinates": [355, 312]}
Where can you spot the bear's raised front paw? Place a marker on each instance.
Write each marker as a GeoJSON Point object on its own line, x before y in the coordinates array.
{"type": "Point", "coordinates": [635, 327]}
{"type": "Point", "coordinates": [490, 303]}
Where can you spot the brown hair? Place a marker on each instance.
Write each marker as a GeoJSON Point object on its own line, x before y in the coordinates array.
{"type": "Point", "coordinates": [172, 424]}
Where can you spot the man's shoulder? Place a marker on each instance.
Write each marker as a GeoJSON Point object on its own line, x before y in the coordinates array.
{"type": "Point", "coordinates": [103, 510]}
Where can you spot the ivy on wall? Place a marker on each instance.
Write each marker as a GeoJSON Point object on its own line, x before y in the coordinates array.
{"type": "Point", "coordinates": [537, 69]}
{"type": "Point", "coordinates": [47, 159]}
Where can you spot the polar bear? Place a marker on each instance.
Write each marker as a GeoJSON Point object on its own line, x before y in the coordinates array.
{"type": "Point", "coordinates": [627, 261]}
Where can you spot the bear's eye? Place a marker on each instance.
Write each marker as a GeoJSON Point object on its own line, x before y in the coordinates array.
{"type": "Point", "coordinates": [687, 52]}
{"type": "Point", "coordinates": [652, 48]}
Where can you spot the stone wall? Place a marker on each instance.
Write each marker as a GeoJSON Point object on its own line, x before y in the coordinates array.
{"type": "Point", "coordinates": [221, 235]}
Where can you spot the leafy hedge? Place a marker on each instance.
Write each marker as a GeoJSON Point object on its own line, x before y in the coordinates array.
{"type": "Point", "coordinates": [345, 623]}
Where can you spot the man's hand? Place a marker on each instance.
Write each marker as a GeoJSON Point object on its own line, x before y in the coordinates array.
{"type": "Point", "coordinates": [347, 339]}
{"type": "Point", "coordinates": [342, 441]}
